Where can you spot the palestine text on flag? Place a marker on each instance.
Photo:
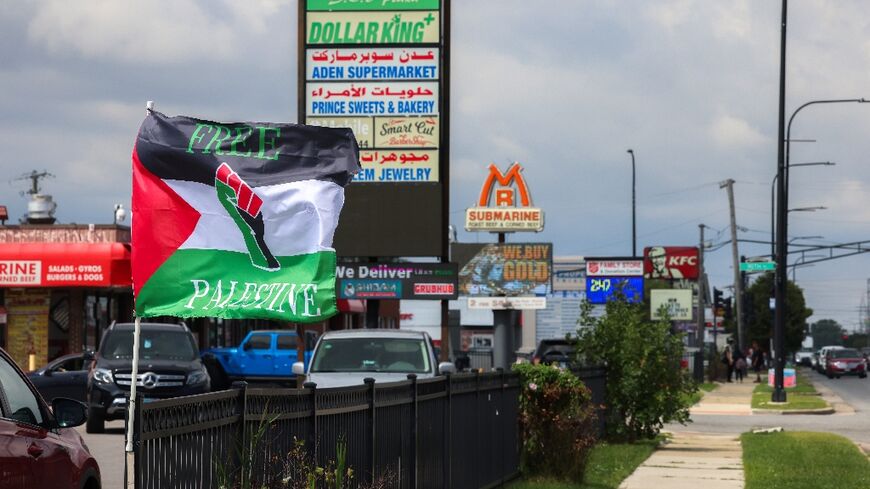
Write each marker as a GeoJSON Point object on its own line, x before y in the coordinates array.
{"type": "Point", "coordinates": [236, 220]}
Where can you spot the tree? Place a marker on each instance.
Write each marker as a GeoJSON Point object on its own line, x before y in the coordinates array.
{"type": "Point", "coordinates": [646, 387]}
{"type": "Point", "coordinates": [760, 328]}
{"type": "Point", "coordinates": [826, 332]}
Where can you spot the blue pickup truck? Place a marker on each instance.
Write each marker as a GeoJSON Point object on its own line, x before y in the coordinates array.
{"type": "Point", "coordinates": [262, 356]}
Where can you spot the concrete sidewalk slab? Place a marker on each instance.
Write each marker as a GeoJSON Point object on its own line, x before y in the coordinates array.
{"type": "Point", "coordinates": [733, 399]}
{"type": "Point", "coordinates": [692, 460]}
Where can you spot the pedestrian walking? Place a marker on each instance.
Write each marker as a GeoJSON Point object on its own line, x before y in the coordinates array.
{"type": "Point", "coordinates": [740, 369]}
{"type": "Point", "coordinates": [757, 359]}
{"type": "Point", "coordinates": [728, 360]}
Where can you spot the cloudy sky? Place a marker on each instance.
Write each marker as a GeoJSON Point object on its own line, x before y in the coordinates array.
{"type": "Point", "coordinates": [565, 87]}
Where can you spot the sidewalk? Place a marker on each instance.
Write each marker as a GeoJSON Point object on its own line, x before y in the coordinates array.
{"type": "Point", "coordinates": [729, 398]}
{"type": "Point", "coordinates": [690, 461]}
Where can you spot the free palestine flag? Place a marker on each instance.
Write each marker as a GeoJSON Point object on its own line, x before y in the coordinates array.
{"type": "Point", "coordinates": [236, 220]}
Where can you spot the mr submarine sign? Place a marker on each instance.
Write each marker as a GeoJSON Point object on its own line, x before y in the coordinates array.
{"type": "Point", "coordinates": [505, 204]}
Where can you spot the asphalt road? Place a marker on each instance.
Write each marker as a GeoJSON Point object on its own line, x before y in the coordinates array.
{"type": "Point", "coordinates": [108, 449]}
{"type": "Point", "coordinates": [854, 391]}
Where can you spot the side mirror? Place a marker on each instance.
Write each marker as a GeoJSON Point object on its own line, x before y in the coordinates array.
{"type": "Point", "coordinates": [48, 372]}
{"type": "Point", "coordinates": [247, 346]}
{"type": "Point", "coordinates": [446, 368]}
{"type": "Point", "coordinates": [88, 355]}
{"type": "Point", "coordinates": [68, 413]}
{"type": "Point", "coordinates": [298, 368]}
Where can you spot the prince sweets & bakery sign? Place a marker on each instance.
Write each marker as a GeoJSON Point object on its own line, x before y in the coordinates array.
{"type": "Point", "coordinates": [505, 204]}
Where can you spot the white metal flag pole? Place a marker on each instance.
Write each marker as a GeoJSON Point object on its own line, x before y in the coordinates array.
{"type": "Point", "coordinates": [134, 378]}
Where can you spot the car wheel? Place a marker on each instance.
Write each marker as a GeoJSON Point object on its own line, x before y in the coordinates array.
{"type": "Point", "coordinates": [862, 376]}
{"type": "Point", "coordinates": [830, 376]}
{"type": "Point", "coordinates": [95, 424]}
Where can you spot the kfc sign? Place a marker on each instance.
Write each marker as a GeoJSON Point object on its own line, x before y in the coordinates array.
{"type": "Point", "coordinates": [670, 262]}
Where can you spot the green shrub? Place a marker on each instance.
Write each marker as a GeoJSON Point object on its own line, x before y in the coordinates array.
{"type": "Point", "coordinates": [646, 387]}
{"type": "Point", "coordinates": [557, 420]}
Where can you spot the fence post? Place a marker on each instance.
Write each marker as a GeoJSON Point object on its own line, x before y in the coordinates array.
{"type": "Point", "coordinates": [245, 452]}
{"type": "Point", "coordinates": [413, 461]}
{"type": "Point", "coordinates": [138, 481]}
{"type": "Point", "coordinates": [477, 426]}
{"type": "Point", "coordinates": [370, 382]}
{"type": "Point", "coordinates": [314, 438]}
{"type": "Point", "coordinates": [448, 440]}
{"type": "Point", "coordinates": [498, 410]}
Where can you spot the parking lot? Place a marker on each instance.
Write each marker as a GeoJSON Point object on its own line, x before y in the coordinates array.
{"type": "Point", "coordinates": [108, 449]}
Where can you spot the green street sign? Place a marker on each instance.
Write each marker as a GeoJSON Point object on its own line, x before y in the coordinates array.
{"type": "Point", "coordinates": [757, 266]}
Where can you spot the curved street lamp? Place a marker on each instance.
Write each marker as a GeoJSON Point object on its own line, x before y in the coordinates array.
{"type": "Point", "coordinates": [779, 394]}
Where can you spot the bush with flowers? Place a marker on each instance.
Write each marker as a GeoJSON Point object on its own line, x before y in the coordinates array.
{"type": "Point", "coordinates": [557, 420]}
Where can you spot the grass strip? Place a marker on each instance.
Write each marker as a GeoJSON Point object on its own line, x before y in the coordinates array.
{"type": "Point", "coordinates": [802, 396]}
{"type": "Point", "coordinates": [609, 464]}
{"type": "Point", "coordinates": [803, 460]}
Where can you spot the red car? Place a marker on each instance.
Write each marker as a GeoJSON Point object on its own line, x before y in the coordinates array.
{"type": "Point", "coordinates": [845, 361]}
{"type": "Point", "coordinates": [38, 447]}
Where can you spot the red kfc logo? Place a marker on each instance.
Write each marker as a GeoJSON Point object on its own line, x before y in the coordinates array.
{"type": "Point", "coordinates": [670, 262]}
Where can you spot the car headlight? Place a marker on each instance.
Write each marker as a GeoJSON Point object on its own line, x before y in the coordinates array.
{"type": "Point", "coordinates": [103, 376]}
{"type": "Point", "coordinates": [198, 377]}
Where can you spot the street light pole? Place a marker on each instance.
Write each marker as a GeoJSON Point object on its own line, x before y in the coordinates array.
{"type": "Point", "coordinates": [633, 208]}
{"type": "Point", "coordinates": [772, 212]}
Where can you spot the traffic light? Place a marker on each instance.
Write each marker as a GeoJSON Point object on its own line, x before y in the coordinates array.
{"type": "Point", "coordinates": [717, 298]}
{"type": "Point", "coordinates": [729, 313]}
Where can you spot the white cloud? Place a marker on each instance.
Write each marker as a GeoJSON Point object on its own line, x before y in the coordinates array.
{"type": "Point", "coordinates": [147, 31]}
{"type": "Point", "coordinates": [735, 133]}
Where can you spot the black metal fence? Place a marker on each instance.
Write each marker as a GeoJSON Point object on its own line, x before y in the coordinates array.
{"type": "Point", "coordinates": [457, 431]}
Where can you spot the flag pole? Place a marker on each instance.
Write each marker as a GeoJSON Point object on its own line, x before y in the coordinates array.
{"type": "Point", "coordinates": [134, 374]}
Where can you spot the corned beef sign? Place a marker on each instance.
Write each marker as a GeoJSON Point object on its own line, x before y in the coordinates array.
{"type": "Point", "coordinates": [512, 207]}
{"type": "Point", "coordinates": [670, 262]}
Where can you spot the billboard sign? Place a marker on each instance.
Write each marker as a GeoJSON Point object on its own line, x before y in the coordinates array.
{"type": "Point", "coordinates": [508, 269]}
{"type": "Point", "coordinates": [614, 267]}
{"type": "Point", "coordinates": [424, 281]}
{"type": "Point", "coordinates": [670, 262]}
{"type": "Point", "coordinates": [677, 303]}
{"type": "Point", "coordinates": [600, 290]}
{"type": "Point", "coordinates": [377, 67]}
{"type": "Point", "coordinates": [507, 302]}
{"type": "Point", "coordinates": [505, 204]}
{"type": "Point", "coordinates": [569, 274]}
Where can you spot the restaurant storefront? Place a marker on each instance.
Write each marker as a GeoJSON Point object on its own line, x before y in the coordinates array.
{"type": "Point", "coordinates": [60, 287]}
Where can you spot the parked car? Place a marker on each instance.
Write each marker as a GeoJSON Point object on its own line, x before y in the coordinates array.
{"type": "Point", "coordinates": [555, 351]}
{"type": "Point", "coordinates": [262, 356]}
{"type": "Point", "coordinates": [804, 357]}
{"type": "Point", "coordinates": [169, 366]}
{"type": "Point", "coordinates": [343, 358]}
{"type": "Point", "coordinates": [821, 367]}
{"type": "Point", "coordinates": [38, 446]}
{"type": "Point", "coordinates": [66, 376]}
{"type": "Point", "coordinates": [845, 361]}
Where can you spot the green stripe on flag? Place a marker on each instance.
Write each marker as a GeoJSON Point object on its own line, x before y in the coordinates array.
{"type": "Point", "coordinates": [224, 284]}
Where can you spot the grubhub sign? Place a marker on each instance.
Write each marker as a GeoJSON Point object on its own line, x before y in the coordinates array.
{"type": "Point", "coordinates": [505, 204]}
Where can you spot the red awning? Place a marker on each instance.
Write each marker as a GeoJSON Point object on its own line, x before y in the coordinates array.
{"type": "Point", "coordinates": [351, 305]}
{"type": "Point", "coordinates": [65, 265]}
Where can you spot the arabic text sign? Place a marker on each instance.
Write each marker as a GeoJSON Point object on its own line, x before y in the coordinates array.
{"type": "Point", "coordinates": [372, 64]}
{"type": "Point", "coordinates": [677, 303]}
{"type": "Point", "coordinates": [373, 27]}
{"type": "Point", "coordinates": [616, 267]}
{"type": "Point", "coordinates": [397, 98]}
{"type": "Point", "coordinates": [398, 166]}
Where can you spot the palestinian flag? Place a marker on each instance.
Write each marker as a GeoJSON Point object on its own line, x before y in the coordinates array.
{"type": "Point", "coordinates": [236, 220]}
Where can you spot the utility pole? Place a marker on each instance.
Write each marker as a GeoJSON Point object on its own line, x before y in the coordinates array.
{"type": "Point", "coordinates": [738, 284]}
{"type": "Point", "coordinates": [702, 289]}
